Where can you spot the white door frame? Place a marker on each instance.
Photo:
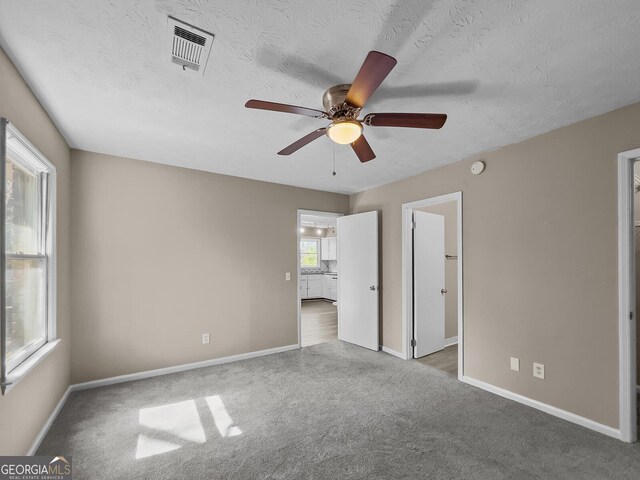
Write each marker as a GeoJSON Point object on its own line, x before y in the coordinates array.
{"type": "Point", "coordinates": [627, 296]}
{"type": "Point", "coordinates": [407, 277]}
{"type": "Point", "coordinates": [298, 271]}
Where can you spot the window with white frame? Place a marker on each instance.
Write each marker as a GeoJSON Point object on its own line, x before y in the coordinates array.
{"type": "Point", "coordinates": [309, 253]}
{"type": "Point", "coordinates": [27, 282]}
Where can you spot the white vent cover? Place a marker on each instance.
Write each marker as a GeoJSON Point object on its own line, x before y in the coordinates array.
{"type": "Point", "coordinates": [188, 46]}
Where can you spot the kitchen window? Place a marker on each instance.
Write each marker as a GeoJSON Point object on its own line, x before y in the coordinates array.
{"type": "Point", "coordinates": [27, 267]}
{"type": "Point", "coordinates": [310, 253]}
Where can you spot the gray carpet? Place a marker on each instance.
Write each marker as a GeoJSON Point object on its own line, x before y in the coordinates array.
{"type": "Point", "coordinates": [329, 411]}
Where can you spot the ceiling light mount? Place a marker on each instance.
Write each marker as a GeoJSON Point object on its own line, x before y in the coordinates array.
{"type": "Point", "coordinates": [334, 102]}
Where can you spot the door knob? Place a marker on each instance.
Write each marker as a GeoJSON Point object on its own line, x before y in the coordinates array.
{"type": "Point", "coordinates": [443, 291]}
{"type": "Point", "coordinates": [372, 287]}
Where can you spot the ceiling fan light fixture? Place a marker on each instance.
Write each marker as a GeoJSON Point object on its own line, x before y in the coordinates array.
{"type": "Point", "coordinates": [344, 131]}
{"type": "Point", "coordinates": [343, 104]}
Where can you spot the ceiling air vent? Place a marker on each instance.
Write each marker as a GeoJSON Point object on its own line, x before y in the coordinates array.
{"type": "Point", "coordinates": [188, 46]}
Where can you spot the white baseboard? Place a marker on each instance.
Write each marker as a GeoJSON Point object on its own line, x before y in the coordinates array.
{"type": "Point", "coordinates": [178, 368]}
{"type": "Point", "coordinates": [556, 412]}
{"type": "Point", "coordinates": [391, 352]}
{"type": "Point", "coordinates": [148, 374]}
{"type": "Point", "coordinates": [47, 425]}
{"type": "Point", "coordinates": [450, 341]}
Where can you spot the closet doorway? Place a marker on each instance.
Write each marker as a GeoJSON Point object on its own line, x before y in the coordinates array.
{"type": "Point", "coordinates": [432, 282]}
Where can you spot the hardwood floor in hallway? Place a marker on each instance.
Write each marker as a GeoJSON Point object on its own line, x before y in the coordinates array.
{"type": "Point", "coordinates": [319, 322]}
{"type": "Point", "coordinates": [445, 360]}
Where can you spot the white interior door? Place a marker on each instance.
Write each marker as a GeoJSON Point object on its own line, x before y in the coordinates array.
{"type": "Point", "coordinates": [358, 279]}
{"type": "Point", "coordinates": [428, 283]}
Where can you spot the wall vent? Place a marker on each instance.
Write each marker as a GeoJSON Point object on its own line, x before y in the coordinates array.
{"type": "Point", "coordinates": [188, 46]}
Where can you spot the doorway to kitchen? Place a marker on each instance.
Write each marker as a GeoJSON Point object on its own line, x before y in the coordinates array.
{"type": "Point", "coordinates": [432, 282]}
{"type": "Point", "coordinates": [317, 277]}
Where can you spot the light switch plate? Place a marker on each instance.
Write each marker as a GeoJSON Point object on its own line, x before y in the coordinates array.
{"type": "Point", "coordinates": [515, 364]}
{"type": "Point", "coordinates": [287, 276]}
{"type": "Point", "coordinates": [538, 370]}
{"type": "Point", "coordinates": [205, 338]}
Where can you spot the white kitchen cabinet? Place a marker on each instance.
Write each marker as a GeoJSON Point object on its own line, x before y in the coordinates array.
{"type": "Point", "coordinates": [330, 287]}
{"type": "Point", "coordinates": [311, 286]}
{"type": "Point", "coordinates": [325, 286]}
{"type": "Point", "coordinates": [319, 286]}
{"type": "Point", "coordinates": [329, 248]}
{"type": "Point", "coordinates": [333, 288]}
{"type": "Point", "coordinates": [314, 286]}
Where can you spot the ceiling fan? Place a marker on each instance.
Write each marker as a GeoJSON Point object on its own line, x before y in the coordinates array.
{"type": "Point", "coordinates": [343, 103]}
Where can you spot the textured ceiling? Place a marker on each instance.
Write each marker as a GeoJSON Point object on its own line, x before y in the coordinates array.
{"type": "Point", "coordinates": [502, 70]}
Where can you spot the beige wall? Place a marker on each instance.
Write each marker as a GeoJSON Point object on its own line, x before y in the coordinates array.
{"type": "Point", "coordinates": [163, 254]}
{"type": "Point", "coordinates": [449, 210]}
{"type": "Point", "coordinates": [540, 253]}
{"type": "Point", "coordinates": [25, 408]}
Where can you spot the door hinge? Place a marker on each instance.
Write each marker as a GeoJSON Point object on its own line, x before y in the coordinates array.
{"type": "Point", "coordinates": [413, 342]}
{"type": "Point", "coordinates": [630, 315]}
{"type": "Point", "coordinates": [413, 225]}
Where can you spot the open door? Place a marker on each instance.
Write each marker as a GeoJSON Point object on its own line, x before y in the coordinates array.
{"type": "Point", "coordinates": [428, 283]}
{"type": "Point", "coordinates": [358, 280]}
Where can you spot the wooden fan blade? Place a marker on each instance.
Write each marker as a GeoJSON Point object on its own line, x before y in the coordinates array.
{"type": "Point", "coordinates": [363, 149]}
{"type": "Point", "coordinates": [373, 71]}
{"type": "Point", "coordinates": [298, 144]}
{"type": "Point", "coordinates": [283, 107]}
{"type": "Point", "coordinates": [412, 120]}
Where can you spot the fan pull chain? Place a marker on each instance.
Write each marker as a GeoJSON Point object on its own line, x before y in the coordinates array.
{"type": "Point", "coordinates": [334, 160]}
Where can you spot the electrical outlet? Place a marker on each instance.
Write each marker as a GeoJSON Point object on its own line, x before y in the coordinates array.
{"type": "Point", "coordinates": [287, 276]}
{"type": "Point", "coordinates": [538, 370]}
{"type": "Point", "coordinates": [205, 338]}
{"type": "Point", "coordinates": [515, 364]}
